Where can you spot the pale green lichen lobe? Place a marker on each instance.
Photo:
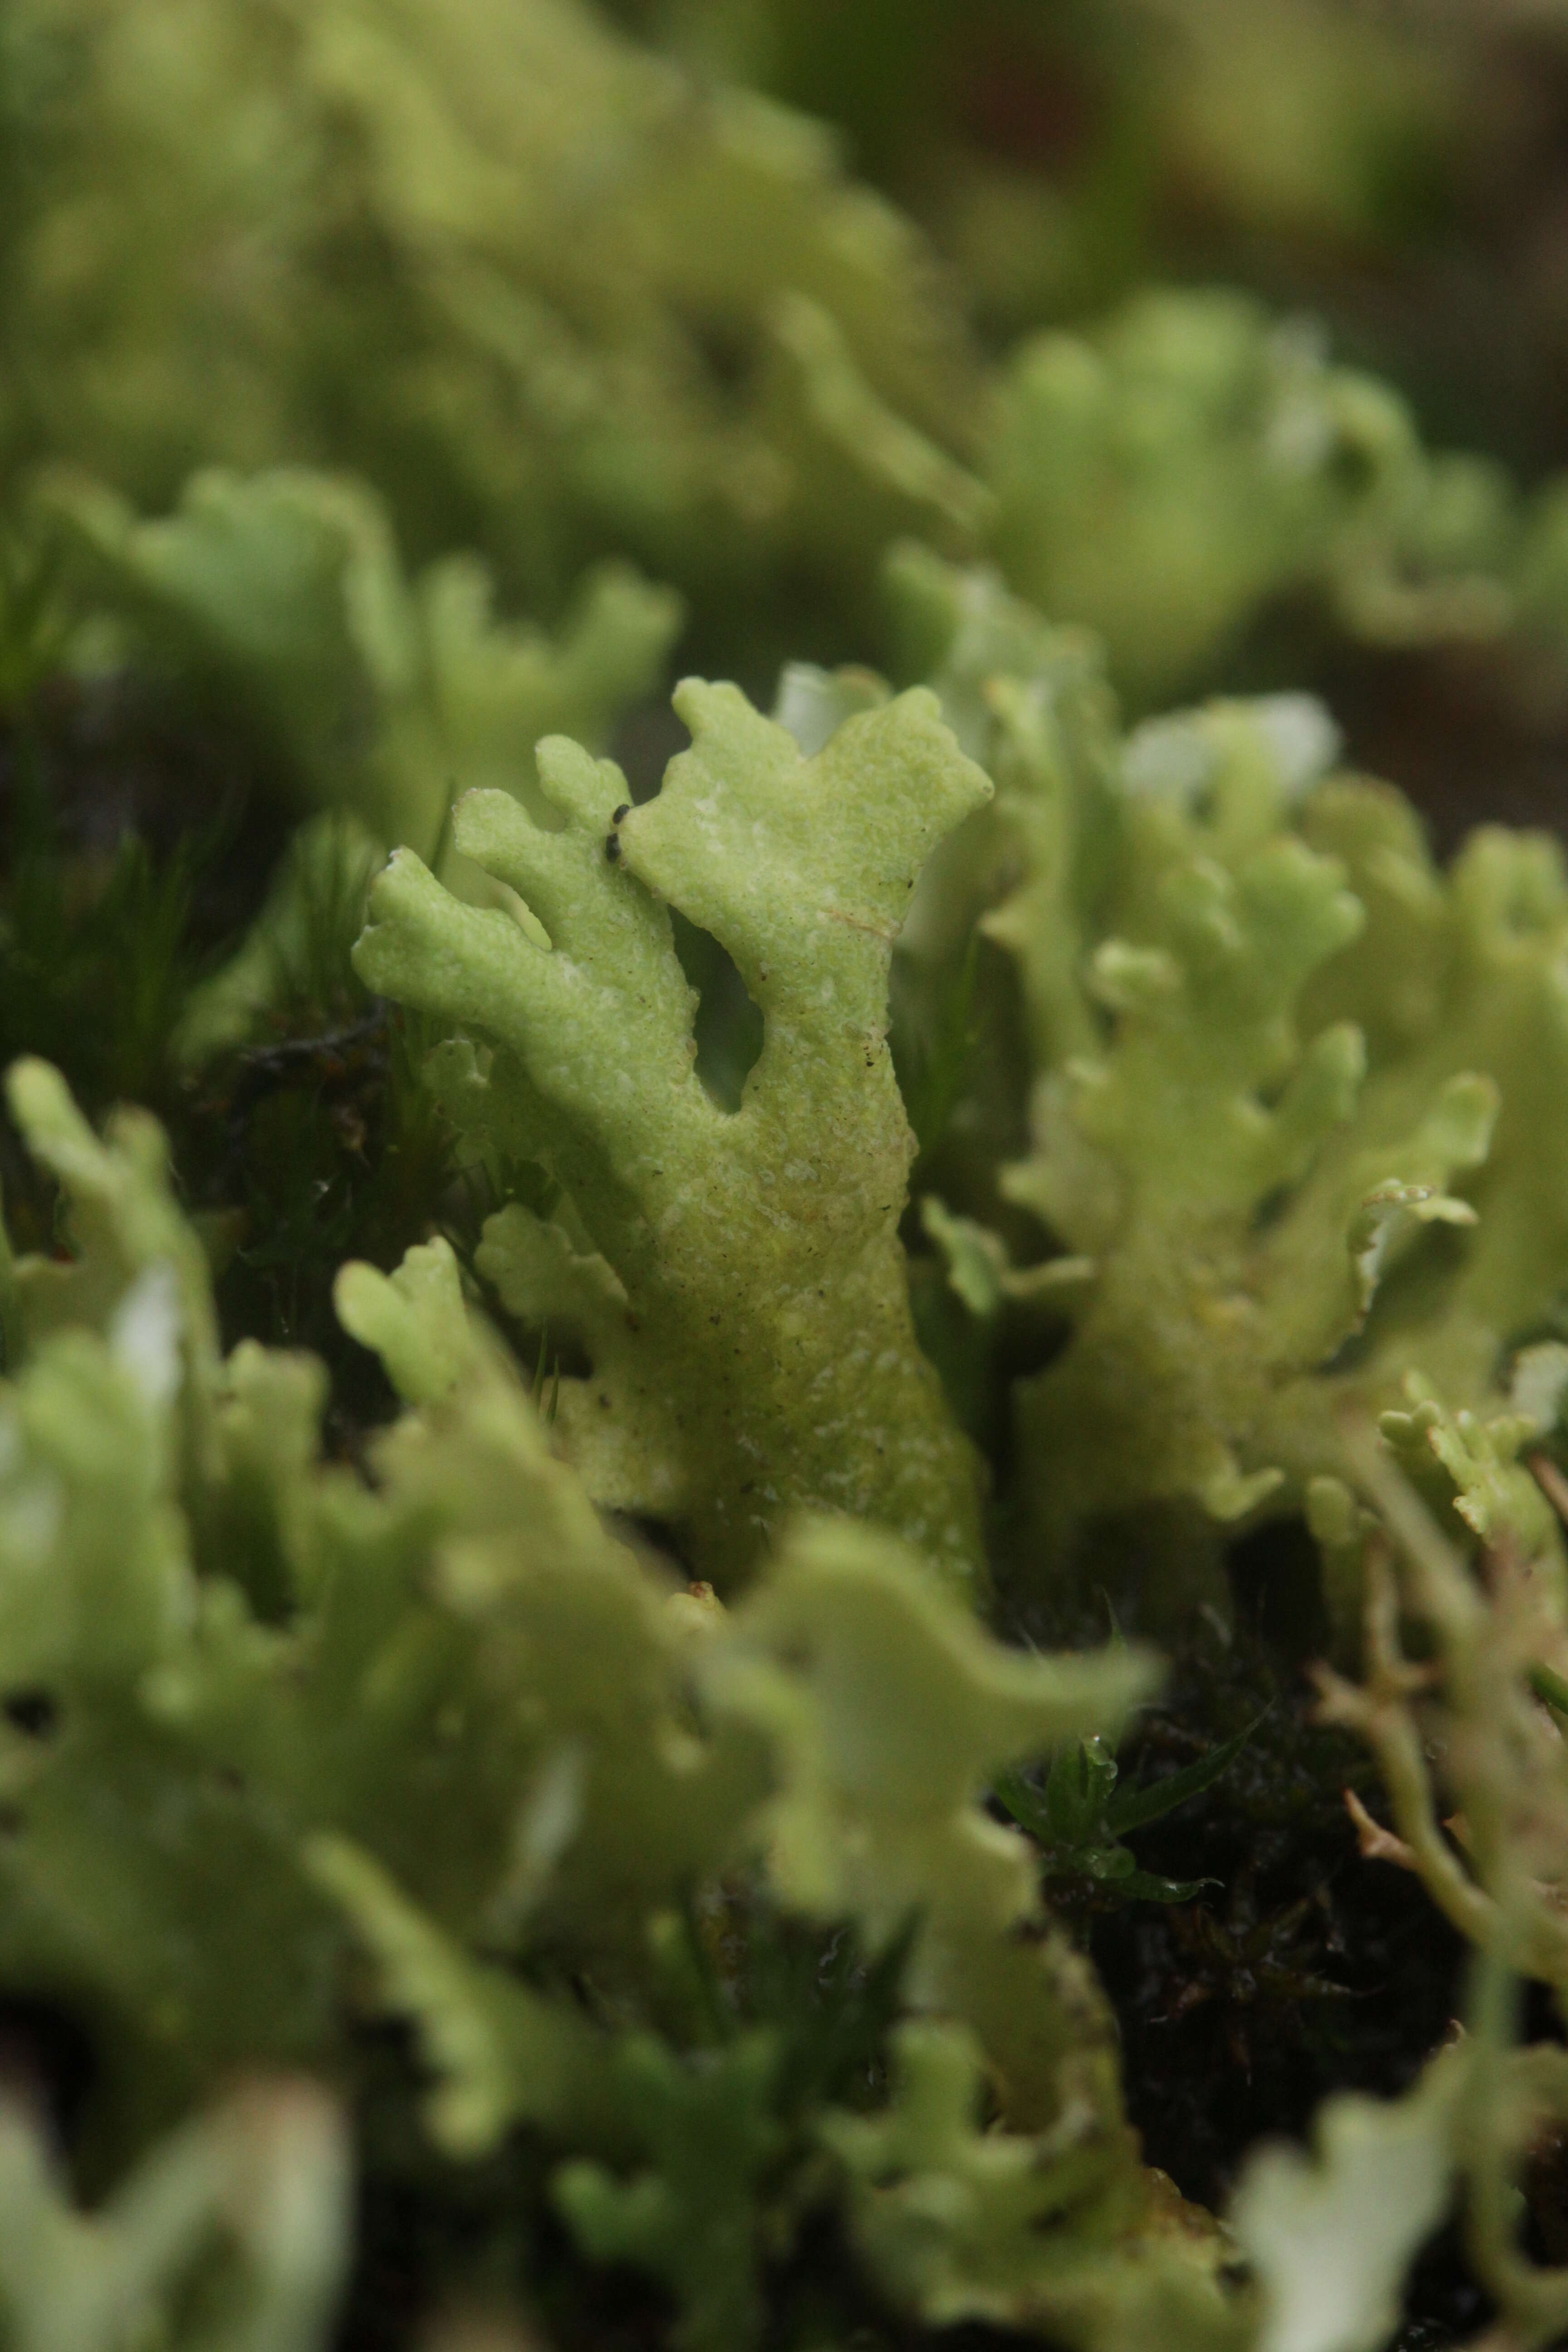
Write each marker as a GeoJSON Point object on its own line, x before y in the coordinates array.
{"type": "Point", "coordinates": [745, 1305]}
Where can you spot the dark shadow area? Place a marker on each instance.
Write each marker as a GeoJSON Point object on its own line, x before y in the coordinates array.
{"type": "Point", "coordinates": [728, 1023]}
{"type": "Point", "coordinates": [1276, 1587]}
{"type": "Point", "coordinates": [645, 743]}
{"type": "Point", "coordinates": [48, 2065]}
{"type": "Point", "coordinates": [1304, 1969]}
{"type": "Point", "coordinates": [35, 1713]}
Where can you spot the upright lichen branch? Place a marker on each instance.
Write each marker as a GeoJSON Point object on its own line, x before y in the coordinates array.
{"type": "Point", "coordinates": [743, 1308]}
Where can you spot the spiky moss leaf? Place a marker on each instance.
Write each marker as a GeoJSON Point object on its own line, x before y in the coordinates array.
{"type": "Point", "coordinates": [386, 695]}
{"type": "Point", "coordinates": [262, 2183]}
{"type": "Point", "coordinates": [1161, 477]}
{"type": "Point", "coordinates": [766, 1313]}
{"type": "Point", "coordinates": [887, 1711]}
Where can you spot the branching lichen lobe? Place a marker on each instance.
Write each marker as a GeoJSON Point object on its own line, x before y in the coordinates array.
{"type": "Point", "coordinates": [746, 1310]}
